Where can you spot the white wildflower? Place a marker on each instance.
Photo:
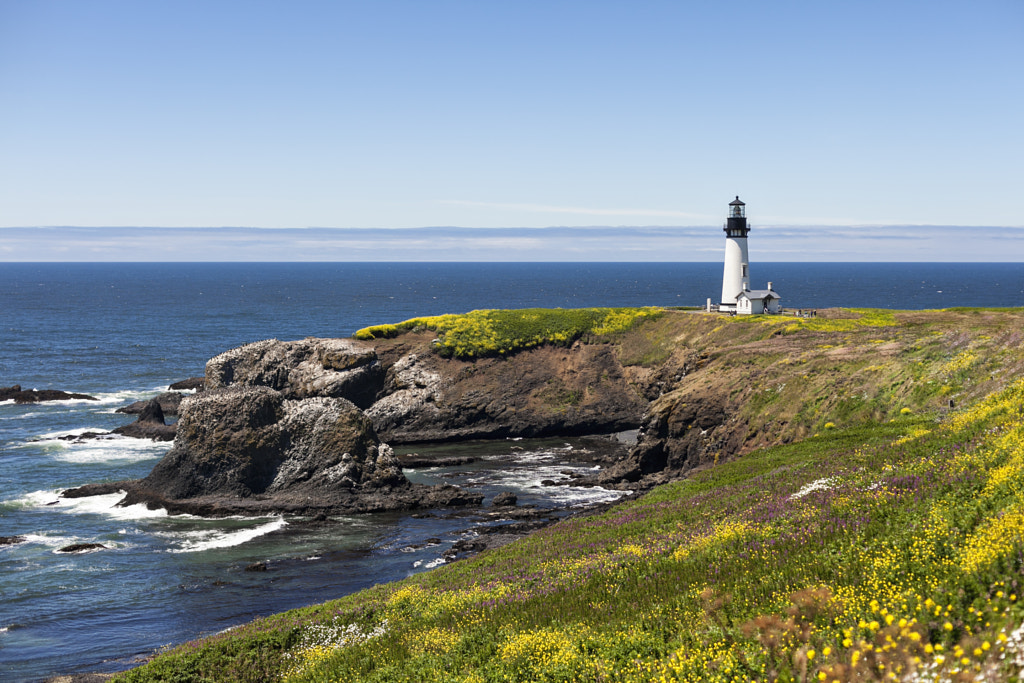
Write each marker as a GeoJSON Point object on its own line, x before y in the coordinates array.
{"type": "Point", "coordinates": [819, 485]}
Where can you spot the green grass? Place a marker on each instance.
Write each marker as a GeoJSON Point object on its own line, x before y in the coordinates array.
{"type": "Point", "coordinates": [905, 555]}
{"type": "Point", "coordinates": [480, 334]}
{"type": "Point", "coordinates": [891, 547]}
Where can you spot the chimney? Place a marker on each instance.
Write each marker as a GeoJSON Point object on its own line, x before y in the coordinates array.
{"type": "Point", "coordinates": [769, 286]}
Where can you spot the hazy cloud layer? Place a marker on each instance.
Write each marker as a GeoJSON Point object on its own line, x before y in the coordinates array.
{"type": "Point", "coordinates": [681, 244]}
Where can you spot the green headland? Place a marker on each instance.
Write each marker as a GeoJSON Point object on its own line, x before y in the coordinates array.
{"type": "Point", "coordinates": [864, 520]}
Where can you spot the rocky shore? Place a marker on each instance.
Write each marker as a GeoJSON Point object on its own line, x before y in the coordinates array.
{"type": "Point", "coordinates": [305, 427]}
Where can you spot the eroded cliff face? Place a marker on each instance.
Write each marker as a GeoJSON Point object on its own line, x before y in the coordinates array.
{"type": "Point", "coordinates": [312, 367]}
{"type": "Point", "coordinates": [542, 391]}
{"type": "Point", "coordinates": [249, 449]}
{"type": "Point", "coordinates": [411, 394]}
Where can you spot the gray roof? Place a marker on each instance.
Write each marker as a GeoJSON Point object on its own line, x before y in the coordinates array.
{"type": "Point", "coordinates": [760, 294]}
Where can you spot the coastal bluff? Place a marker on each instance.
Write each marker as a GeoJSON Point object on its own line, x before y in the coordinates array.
{"type": "Point", "coordinates": [307, 426]}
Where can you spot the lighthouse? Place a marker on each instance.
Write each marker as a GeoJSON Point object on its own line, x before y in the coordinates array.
{"type": "Point", "coordinates": [736, 277]}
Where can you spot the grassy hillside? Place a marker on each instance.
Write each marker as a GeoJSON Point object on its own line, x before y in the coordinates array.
{"type": "Point", "coordinates": [887, 547]}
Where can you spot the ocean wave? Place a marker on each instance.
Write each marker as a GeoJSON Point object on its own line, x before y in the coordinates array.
{"type": "Point", "coordinates": [105, 505]}
{"type": "Point", "coordinates": [50, 541]}
{"type": "Point", "coordinates": [528, 480]}
{"type": "Point", "coordinates": [103, 448]}
{"type": "Point", "coordinates": [209, 539]}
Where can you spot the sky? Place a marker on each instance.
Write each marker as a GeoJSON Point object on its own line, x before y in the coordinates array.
{"type": "Point", "coordinates": [846, 121]}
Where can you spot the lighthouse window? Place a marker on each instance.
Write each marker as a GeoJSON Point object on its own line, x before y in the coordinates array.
{"type": "Point", "coordinates": [745, 270]}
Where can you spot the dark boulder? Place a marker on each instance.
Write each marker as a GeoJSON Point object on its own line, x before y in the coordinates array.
{"type": "Point", "coordinates": [190, 384]}
{"type": "Point", "coordinates": [16, 394]}
{"type": "Point", "coordinates": [12, 540]}
{"type": "Point", "coordinates": [81, 547]}
{"type": "Point", "coordinates": [149, 425]}
{"type": "Point", "coordinates": [169, 402]}
{"type": "Point", "coordinates": [504, 499]}
{"type": "Point", "coordinates": [101, 489]}
{"type": "Point", "coordinates": [249, 450]}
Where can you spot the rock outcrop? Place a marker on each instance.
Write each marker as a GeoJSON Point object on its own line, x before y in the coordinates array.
{"type": "Point", "coordinates": [681, 432]}
{"type": "Point", "coordinates": [150, 424]}
{"type": "Point", "coordinates": [169, 403]}
{"type": "Point", "coordinates": [18, 395]}
{"type": "Point", "coordinates": [540, 392]}
{"type": "Point", "coordinates": [190, 384]}
{"type": "Point", "coordinates": [81, 548]}
{"type": "Point", "coordinates": [332, 368]}
{"type": "Point", "coordinates": [248, 449]}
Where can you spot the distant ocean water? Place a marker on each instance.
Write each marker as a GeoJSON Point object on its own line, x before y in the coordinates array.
{"type": "Point", "coordinates": [122, 332]}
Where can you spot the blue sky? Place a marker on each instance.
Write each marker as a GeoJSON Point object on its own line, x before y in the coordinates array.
{"type": "Point", "coordinates": [514, 115]}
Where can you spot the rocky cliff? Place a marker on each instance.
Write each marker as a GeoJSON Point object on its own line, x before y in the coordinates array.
{"type": "Point", "coordinates": [304, 425]}
{"type": "Point", "coordinates": [246, 449]}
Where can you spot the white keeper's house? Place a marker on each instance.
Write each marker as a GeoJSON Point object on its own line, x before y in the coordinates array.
{"type": "Point", "coordinates": [737, 296]}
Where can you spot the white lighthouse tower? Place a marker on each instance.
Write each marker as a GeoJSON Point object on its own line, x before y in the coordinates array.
{"type": "Point", "coordinates": [736, 278]}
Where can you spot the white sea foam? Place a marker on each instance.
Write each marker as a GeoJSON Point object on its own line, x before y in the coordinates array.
{"type": "Point", "coordinates": [96, 505]}
{"type": "Point", "coordinates": [107, 505]}
{"type": "Point", "coordinates": [118, 399]}
{"type": "Point", "coordinates": [105, 448]}
{"type": "Point", "coordinates": [530, 478]}
{"type": "Point", "coordinates": [578, 496]}
{"type": "Point", "coordinates": [529, 457]}
{"type": "Point", "coordinates": [53, 436]}
{"type": "Point", "coordinates": [208, 539]}
{"type": "Point", "coordinates": [50, 541]}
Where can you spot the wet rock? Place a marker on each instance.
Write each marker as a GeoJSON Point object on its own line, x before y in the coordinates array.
{"type": "Point", "coordinates": [257, 567]}
{"type": "Point", "coordinates": [464, 548]}
{"type": "Point", "coordinates": [18, 395]}
{"type": "Point", "coordinates": [12, 540]}
{"type": "Point", "coordinates": [101, 489]}
{"type": "Point", "coordinates": [81, 547]}
{"type": "Point", "coordinates": [249, 450]}
{"type": "Point", "coordinates": [504, 499]}
{"type": "Point", "coordinates": [84, 436]}
{"type": "Point", "coordinates": [169, 403]}
{"type": "Point", "coordinates": [190, 384]}
{"type": "Point", "coordinates": [682, 431]}
{"type": "Point", "coordinates": [150, 424]}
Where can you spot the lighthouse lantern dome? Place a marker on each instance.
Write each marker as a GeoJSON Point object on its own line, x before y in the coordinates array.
{"type": "Point", "coordinates": [737, 209]}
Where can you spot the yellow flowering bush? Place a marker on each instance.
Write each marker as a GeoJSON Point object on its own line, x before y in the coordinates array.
{"type": "Point", "coordinates": [484, 333]}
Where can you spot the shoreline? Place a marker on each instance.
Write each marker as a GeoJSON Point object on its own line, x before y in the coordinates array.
{"type": "Point", "coordinates": [522, 521]}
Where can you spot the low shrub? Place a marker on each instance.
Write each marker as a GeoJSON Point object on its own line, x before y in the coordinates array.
{"type": "Point", "coordinates": [484, 333]}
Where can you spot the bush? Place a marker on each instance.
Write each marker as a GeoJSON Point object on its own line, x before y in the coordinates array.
{"type": "Point", "coordinates": [484, 333]}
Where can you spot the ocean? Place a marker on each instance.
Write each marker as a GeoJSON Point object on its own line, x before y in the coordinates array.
{"type": "Point", "coordinates": [123, 332]}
